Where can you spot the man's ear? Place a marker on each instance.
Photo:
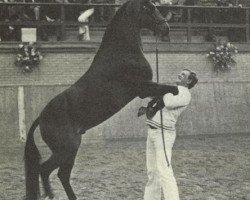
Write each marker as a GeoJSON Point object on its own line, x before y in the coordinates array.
{"type": "Point", "coordinates": [189, 81]}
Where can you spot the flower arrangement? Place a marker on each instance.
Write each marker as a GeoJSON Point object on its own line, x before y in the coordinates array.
{"type": "Point", "coordinates": [222, 56]}
{"type": "Point", "coordinates": [28, 56]}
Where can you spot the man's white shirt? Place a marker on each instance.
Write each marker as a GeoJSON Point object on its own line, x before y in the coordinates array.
{"type": "Point", "coordinates": [174, 106]}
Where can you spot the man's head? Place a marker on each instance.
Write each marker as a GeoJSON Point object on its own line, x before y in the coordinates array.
{"type": "Point", "coordinates": [188, 78]}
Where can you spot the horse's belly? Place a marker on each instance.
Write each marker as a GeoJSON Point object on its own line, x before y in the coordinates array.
{"type": "Point", "coordinates": [113, 97]}
{"type": "Point", "coordinates": [86, 108]}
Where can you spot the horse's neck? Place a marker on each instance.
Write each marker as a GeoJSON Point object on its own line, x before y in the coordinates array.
{"type": "Point", "coordinates": [123, 37]}
{"type": "Point", "coordinates": [121, 41]}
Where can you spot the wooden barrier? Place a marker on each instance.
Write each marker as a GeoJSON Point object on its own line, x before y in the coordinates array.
{"type": "Point", "coordinates": [220, 101]}
{"type": "Point", "coordinates": [189, 25]}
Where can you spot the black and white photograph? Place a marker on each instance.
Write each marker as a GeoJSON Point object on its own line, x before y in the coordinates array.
{"type": "Point", "coordinates": [125, 99]}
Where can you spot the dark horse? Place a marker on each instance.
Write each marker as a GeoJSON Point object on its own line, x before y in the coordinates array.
{"type": "Point", "coordinates": [118, 74]}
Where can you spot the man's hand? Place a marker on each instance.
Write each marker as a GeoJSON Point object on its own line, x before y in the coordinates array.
{"type": "Point", "coordinates": [153, 107]}
{"type": "Point", "coordinates": [142, 111]}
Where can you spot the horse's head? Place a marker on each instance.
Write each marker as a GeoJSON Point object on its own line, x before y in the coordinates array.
{"type": "Point", "coordinates": [151, 18]}
{"type": "Point", "coordinates": [129, 19]}
{"type": "Point", "coordinates": [148, 16]}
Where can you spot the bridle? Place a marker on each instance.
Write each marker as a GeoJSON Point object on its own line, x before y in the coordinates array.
{"type": "Point", "coordinates": [153, 14]}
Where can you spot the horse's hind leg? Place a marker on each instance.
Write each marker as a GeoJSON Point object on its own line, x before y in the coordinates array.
{"type": "Point", "coordinates": [46, 169]}
{"type": "Point", "coordinates": [64, 173]}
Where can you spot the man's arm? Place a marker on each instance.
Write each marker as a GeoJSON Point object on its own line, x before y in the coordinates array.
{"type": "Point", "coordinates": [172, 102]}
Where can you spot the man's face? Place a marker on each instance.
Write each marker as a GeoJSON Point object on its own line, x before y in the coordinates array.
{"type": "Point", "coordinates": [183, 77]}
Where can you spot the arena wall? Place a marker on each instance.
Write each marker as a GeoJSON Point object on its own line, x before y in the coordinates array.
{"type": "Point", "coordinates": [220, 102]}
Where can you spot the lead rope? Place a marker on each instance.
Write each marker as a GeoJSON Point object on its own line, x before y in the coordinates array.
{"type": "Point", "coordinates": [161, 114]}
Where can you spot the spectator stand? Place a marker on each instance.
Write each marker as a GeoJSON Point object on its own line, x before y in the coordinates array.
{"type": "Point", "coordinates": [202, 17]}
{"type": "Point", "coordinates": [193, 18]}
{"type": "Point", "coordinates": [61, 22]}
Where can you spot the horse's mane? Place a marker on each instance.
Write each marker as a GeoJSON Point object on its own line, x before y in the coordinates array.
{"type": "Point", "coordinates": [121, 14]}
{"type": "Point", "coordinates": [114, 22]}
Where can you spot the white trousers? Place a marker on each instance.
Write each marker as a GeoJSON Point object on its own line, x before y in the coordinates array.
{"type": "Point", "coordinates": [160, 175]}
{"type": "Point", "coordinates": [84, 29]}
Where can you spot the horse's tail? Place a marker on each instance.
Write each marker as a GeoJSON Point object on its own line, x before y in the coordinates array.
{"type": "Point", "coordinates": [32, 163]}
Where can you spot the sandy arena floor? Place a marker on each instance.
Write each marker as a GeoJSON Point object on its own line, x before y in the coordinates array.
{"type": "Point", "coordinates": [206, 168]}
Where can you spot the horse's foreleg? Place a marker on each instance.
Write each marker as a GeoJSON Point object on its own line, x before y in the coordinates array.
{"type": "Point", "coordinates": [148, 89]}
{"type": "Point", "coordinates": [64, 174]}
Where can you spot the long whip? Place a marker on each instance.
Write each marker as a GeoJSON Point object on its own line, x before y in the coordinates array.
{"type": "Point", "coordinates": [161, 114]}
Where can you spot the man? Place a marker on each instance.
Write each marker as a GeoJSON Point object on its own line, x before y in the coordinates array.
{"type": "Point", "coordinates": [159, 146]}
{"type": "Point", "coordinates": [83, 18]}
{"type": "Point", "coordinates": [4, 15]}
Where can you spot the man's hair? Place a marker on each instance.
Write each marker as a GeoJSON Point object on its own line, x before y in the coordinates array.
{"type": "Point", "coordinates": [192, 77]}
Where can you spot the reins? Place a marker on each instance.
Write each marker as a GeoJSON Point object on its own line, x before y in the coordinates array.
{"type": "Point", "coordinates": [161, 114]}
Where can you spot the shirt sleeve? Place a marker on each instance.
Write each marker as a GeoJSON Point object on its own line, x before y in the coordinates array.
{"type": "Point", "coordinates": [179, 100]}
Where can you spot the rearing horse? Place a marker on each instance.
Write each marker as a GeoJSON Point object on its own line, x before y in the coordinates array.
{"type": "Point", "coordinates": [118, 74]}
